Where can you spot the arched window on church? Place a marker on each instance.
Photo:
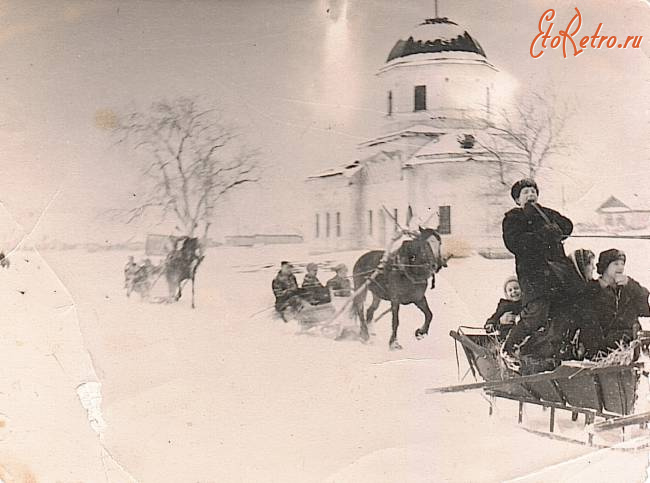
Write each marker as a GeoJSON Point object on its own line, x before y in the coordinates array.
{"type": "Point", "coordinates": [327, 224]}
{"type": "Point", "coordinates": [390, 103]}
{"type": "Point", "coordinates": [338, 223]}
{"type": "Point", "coordinates": [370, 222]}
{"type": "Point", "coordinates": [317, 225]}
{"type": "Point", "coordinates": [420, 103]}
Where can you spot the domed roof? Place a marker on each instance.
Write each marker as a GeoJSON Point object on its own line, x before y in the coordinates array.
{"type": "Point", "coordinates": [436, 35]}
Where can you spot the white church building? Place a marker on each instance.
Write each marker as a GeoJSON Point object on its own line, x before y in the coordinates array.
{"type": "Point", "coordinates": [434, 157]}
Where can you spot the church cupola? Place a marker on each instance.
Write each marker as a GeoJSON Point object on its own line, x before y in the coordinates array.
{"type": "Point", "coordinates": [437, 74]}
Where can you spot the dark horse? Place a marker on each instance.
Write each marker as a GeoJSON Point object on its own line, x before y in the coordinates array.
{"type": "Point", "coordinates": [181, 265]}
{"type": "Point", "coordinates": [401, 279]}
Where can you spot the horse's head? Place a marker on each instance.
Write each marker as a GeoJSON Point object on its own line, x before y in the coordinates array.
{"type": "Point", "coordinates": [432, 238]}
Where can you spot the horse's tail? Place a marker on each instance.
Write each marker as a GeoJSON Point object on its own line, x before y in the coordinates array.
{"type": "Point", "coordinates": [363, 274]}
{"type": "Point", "coordinates": [361, 283]}
{"type": "Point", "coordinates": [359, 298]}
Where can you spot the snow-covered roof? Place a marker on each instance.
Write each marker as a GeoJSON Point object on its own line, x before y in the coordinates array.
{"type": "Point", "coordinates": [412, 131]}
{"type": "Point", "coordinates": [625, 203]}
{"type": "Point", "coordinates": [347, 170]}
{"type": "Point", "coordinates": [350, 169]}
{"type": "Point", "coordinates": [460, 145]}
{"type": "Point", "coordinates": [449, 145]}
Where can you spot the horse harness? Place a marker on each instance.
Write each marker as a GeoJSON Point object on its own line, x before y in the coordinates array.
{"type": "Point", "coordinates": [400, 262]}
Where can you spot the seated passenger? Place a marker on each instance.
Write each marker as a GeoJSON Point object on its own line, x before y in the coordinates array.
{"type": "Point", "coordinates": [340, 285]}
{"type": "Point", "coordinates": [613, 305]}
{"type": "Point", "coordinates": [507, 311]}
{"type": "Point", "coordinates": [314, 291]}
{"type": "Point", "coordinates": [285, 289]}
{"type": "Point", "coordinates": [311, 277]}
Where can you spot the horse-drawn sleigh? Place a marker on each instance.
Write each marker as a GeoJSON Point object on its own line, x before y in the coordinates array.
{"type": "Point", "coordinates": [596, 390]}
{"type": "Point", "coordinates": [179, 259]}
{"type": "Point", "coordinates": [399, 275]}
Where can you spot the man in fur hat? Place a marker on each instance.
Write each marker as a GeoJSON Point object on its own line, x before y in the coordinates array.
{"type": "Point", "coordinates": [534, 234]}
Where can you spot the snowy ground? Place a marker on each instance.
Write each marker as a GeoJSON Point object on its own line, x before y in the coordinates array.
{"type": "Point", "coordinates": [220, 394]}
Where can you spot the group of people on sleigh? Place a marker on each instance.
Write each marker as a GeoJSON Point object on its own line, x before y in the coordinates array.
{"type": "Point", "coordinates": [555, 309]}
{"type": "Point", "coordinates": [291, 297]}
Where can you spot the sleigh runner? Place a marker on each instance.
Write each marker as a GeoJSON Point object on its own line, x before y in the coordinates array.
{"type": "Point", "coordinates": [608, 392]}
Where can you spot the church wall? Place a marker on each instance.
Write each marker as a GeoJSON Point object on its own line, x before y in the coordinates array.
{"type": "Point", "coordinates": [391, 194]}
{"type": "Point", "coordinates": [476, 202]}
{"type": "Point", "coordinates": [331, 195]}
{"type": "Point", "coordinates": [451, 88]}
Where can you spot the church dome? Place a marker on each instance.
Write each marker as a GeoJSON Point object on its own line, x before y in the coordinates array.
{"type": "Point", "coordinates": [436, 35]}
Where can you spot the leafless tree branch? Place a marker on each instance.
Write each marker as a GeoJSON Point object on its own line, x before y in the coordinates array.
{"type": "Point", "coordinates": [190, 161]}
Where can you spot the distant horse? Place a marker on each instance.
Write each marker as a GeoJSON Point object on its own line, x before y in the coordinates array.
{"type": "Point", "coordinates": [181, 265]}
{"type": "Point", "coordinates": [402, 280]}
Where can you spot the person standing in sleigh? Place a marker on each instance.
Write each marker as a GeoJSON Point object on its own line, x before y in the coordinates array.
{"type": "Point", "coordinates": [534, 235]}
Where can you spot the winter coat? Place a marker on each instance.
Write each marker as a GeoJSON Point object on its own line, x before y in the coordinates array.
{"type": "Point", "coordinates": [527, 235]}
{"type": "Point", "coordinates": [311, 281]}
{"type": "Point", "coordinates": [494, 322]}
{"type": "Point", "coordinates": [314, 291]}
{"type": "Point", "coordinates": [340, 286]}
{"type": "Point", "coordinates": [611, 314]}
{"type": "Point", "coordinates": [284, 286]}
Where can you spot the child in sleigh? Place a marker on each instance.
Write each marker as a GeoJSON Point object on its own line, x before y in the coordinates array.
{"type": "Point", "coordinates": [507, 312]}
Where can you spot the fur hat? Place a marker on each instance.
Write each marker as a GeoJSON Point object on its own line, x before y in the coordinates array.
{"type": "Point", "coordinates": [509, 280]}
{"type": "Point", "coordinates": [515, 191]}
{"type": "Point", "coordinates": [283, 263]}
{"type": "Point", "coordinates": [339, 267]}
{"type": "Point", "coordinates": [312, 266]}
{"type": "Point", "coordinates": [607, 257]}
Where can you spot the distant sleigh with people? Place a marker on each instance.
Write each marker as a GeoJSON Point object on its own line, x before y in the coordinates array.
{"type": "Point", "coordinates": [178, 259]}
{"type": "Point", "coordinates": [562, 338]}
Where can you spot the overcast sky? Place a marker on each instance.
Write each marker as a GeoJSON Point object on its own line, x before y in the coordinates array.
{"type": "Point", "coordinates": [298, 80]}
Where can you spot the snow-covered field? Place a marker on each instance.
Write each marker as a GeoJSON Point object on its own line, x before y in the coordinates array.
{"type": "Point", "coordinates": [225, 393]}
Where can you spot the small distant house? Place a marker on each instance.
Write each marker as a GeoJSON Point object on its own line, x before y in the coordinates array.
{"type": "Point", "coordinates": [262, 239]}
{"type": "Point", "coordinates": [240, 240]}
{"type": "Point", "coordinates": [631, 214]}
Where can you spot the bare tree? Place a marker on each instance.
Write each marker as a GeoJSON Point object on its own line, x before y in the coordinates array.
{"type": "Point", "coordinates": [192, 159]}
{"type": "Point", "coordinates": [530, 132]}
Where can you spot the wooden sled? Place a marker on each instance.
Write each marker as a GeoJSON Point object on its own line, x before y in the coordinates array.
{"type": "Point", "coordinates": [579, 387]}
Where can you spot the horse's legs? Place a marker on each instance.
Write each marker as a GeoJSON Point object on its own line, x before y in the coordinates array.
{"type": "Point", "coordinates": [359, 306]}
{"type": "Point", "coordinates": [192, 292]}
{"type": "Point", "coordinates": [423, 305]}
{"type": "Point", "coordinates": [373, 306]}
{"type": "Point", "coordinates": [393, 344]}
{"type": "Point", "coordinates": [171, 289]}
